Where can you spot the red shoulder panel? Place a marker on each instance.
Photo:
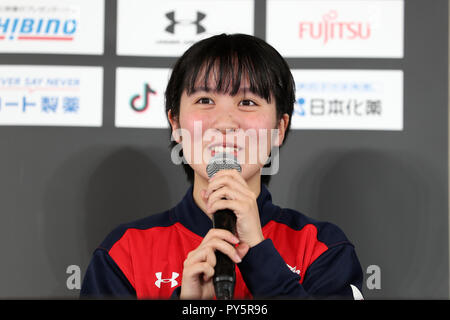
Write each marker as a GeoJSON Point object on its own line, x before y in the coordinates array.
{"type": "Point", "coordinates": [299, 248]}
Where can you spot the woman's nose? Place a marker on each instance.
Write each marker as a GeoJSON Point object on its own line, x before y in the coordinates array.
{"type": "Point", "coordinates": [226, 127]}
{"type": "Point", "coordinates": [225, 120]}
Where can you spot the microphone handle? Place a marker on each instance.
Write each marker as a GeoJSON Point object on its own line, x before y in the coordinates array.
{"type": "Point", "coordinates": [224, 272]}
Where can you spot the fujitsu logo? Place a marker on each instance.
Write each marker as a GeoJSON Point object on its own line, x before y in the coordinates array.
{"type": "Point", "coordinates": [330, 28]}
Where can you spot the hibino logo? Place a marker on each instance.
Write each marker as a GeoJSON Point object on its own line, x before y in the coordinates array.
{"type": "Point", "coordinates": [146, 101]}
{"type": "Point", "coordinates": [38, 22]}
{"type": "Point", "coordinates": [330, 29]}
{"type": "Point", "coordinates": [37, 29]}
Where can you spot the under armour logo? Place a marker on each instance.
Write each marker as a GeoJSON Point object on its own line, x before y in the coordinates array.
{"type": "Point", "coordinates": [173, 22]}
{"type": "Point", "coordinates": [172, 280]}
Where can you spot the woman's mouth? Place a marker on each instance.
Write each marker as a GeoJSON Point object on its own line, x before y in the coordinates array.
{"type": "Point", "coordinates": [227, 149]}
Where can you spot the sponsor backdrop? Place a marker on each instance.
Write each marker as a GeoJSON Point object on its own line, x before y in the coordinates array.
{"type": "Point", "coordinates": [84, 137]}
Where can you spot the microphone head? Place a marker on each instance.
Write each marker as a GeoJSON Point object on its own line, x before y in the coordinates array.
{"type": "Point", "coordinates": [222, 161]}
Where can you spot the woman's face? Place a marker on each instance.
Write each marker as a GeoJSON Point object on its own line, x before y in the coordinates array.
{"type": "Point", "coordinates": [243, 123]}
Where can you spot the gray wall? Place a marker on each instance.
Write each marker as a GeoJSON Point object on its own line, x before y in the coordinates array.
{"type": "Point", "coordinates": [63, 189]}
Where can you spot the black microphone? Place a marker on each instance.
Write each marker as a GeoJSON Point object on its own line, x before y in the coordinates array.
{"type": "Point", "coordinates": [224, 272]}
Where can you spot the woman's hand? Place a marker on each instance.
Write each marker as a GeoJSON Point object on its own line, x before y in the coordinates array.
{"type": "Point", "coordinates": [199, 265]}
{"type": "Point", "coordinates": [227, 189]}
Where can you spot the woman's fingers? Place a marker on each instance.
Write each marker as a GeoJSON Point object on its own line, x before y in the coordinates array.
{"type": "Point", "coordinates": [216, 239]}
{"type": "Point", "coordinates": [220, 234]}
{"type": "Point", "coordinates": [225, 248]}
{"type": "Point", "coordinates": [198, 269]}
{"type": "Point", "coordinates": [202, 254]}
{"type": "Point", "coordinates": [242, 249]}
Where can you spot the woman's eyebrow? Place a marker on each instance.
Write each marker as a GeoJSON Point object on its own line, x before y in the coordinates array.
{"type": "Point", "coordinates": [208, 89]}
{"type": "Point", "coordinates": [200, 89]}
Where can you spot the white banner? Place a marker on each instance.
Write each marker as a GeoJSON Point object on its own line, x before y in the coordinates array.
{"type": "Point", "coordinates": [51, 96]}
{"type": "Point", "coordinates": [140, 97]}
{"type": "Point", "coordinates": [52, 26]}
{"type": "Point", "coordinates": [336, 28]}
{"type": "Point", "coordinates": [168, 28]}
{"type": "Point", "coordinates": [348, 99]}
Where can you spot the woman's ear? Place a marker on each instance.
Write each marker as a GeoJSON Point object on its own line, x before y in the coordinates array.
{"type": "Point", "coordinates": [282, 126]}
{"type": "Point", "coordinates": [174, 123]}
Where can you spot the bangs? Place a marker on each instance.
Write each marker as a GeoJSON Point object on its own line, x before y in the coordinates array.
{"type": "Point", "coordinates": [225, 68]}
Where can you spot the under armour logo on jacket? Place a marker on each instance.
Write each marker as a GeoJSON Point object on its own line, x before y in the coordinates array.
{"type": "Point", "coordinates": [173, 22]}
{"type": "Point", "coordinates": [172, 280]}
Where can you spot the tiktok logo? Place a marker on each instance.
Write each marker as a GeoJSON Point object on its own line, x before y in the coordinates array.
{"type": "Point", "coordinates": [146, 101]}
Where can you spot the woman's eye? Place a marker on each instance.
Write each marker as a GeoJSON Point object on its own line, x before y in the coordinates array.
{"type": "Point", "coordinates": [205, 101]}
{"type": "Point", "coordinates": [247, 102]}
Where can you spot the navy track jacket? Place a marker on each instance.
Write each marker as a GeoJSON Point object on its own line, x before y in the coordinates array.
{"type": "Point", "coordinates": [299, 258]}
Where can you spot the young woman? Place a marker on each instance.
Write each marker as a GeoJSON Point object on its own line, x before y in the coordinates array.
{"type": "Point", "coordinates": [227, 93]}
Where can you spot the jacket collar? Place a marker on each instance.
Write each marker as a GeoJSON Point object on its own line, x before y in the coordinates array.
{"type": "Point", "coordinates": [189, 214]}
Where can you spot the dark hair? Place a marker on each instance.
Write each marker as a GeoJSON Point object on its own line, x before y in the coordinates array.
{"type": "Point", "coordinates": [231, 58]}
